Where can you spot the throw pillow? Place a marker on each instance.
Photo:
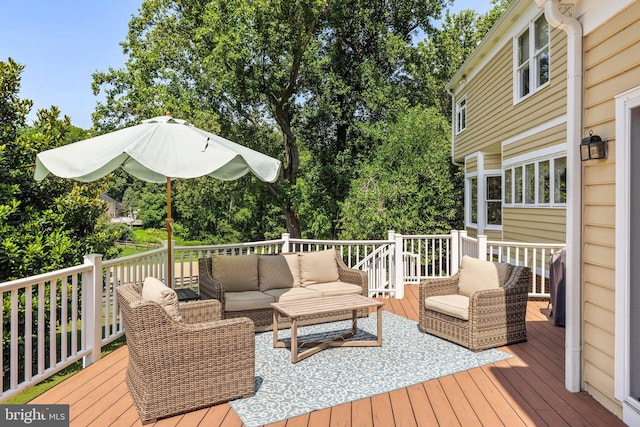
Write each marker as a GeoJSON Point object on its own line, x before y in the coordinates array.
{"type": "Point", "coordinates": [278, 271]}
{"type": "Point", "coordinates": [153, 290]}
{"type": "Point", "coordinates": [318, 267]}
{"type": "Point", "coordinates": [236, 273]}
{"type": "Point", "coordinates": [477, 275]}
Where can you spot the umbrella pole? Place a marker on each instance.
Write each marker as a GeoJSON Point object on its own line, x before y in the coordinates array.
{"type": "Point", "coordinates": [169, 224]}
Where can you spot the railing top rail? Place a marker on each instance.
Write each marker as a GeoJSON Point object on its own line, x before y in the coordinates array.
{"type": "Point", "coordinates": [230, 245]}
{"type": "Point", "coordinates": [426, 236]}
{"type": "Point", "coordinates": [120, 260]}
{"type": "Point", "coordinates": [44, 277]}
{"type": "Point", "coordinates": [340, 242]}
{"type": "Point", "coordinates": [527, 245]}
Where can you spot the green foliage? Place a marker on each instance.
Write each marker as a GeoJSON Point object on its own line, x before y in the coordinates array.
{"type": "Point", "coordinates": [410, 185]}
{"type": "Point", "coordinates": [46, 225]}
{"type": "Point", "coordinates": [314, 70]}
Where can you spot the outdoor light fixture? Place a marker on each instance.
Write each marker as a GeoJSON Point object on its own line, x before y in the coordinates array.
{"type": "Point", "coordinates": [593, 147]}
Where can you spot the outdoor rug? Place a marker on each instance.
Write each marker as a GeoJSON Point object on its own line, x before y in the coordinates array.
{"type": "Point", "coordinates": [344, 374]}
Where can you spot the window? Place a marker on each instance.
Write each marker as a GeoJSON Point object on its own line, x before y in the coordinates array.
{"type": "Point", "coordinates": [560, 180]}
{"type": "Point", "coordinates": [530, 183]}
{"type": "Point", "coordinates": [544, 179]}
{"type": "Point", "coordinates": [508, 186]}
{"type": "Point", "coordinates": [517, 185]}
{"type": "Point", "coordinates": [461, 115]}
{"type": "Point", "coordinates": [474, 200]}
{"type": "Point", "coordinates": [534, 184]}
{"type": "Point", "coordinates": [494, 200]}
{"type": "Point", "coordinates": [532, 58]}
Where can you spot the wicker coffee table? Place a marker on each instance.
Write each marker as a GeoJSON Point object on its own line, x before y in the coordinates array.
{"type": "Point", "coordinates": [295, 310]}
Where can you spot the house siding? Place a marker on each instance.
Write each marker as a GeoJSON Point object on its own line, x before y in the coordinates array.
{"type": "Point", "coordinates": [534, 225]}
{"type": "Point", "coordinates": [492, 161]}
{"type": "Point", "coordinates": [547, 138]}
{"type": "Point", "coordinates": [490, 95]}
{"type": "Point", "coordinates": [612, 66]}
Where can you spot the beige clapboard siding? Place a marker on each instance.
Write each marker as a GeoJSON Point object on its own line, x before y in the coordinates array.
{"type": "Point", "coordinates": [472, 232]}
{"type": "Point", "coordinates": [471, 165]}
{"type": "Point", "coordinates": [547, 138]}
{"type": "Point", "coordinates": [545, 225]}
{"type": "Point", "coordinates": [493, 235]}
{"type": "Point", "coordinates": [612, 66]}
{"type": "Point", "coordinates": [492, 161]}
{"type": "Point", "coordinates": [491, 115]}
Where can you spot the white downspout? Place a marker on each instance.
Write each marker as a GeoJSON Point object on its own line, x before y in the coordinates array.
{"type": "Point", "coordinates": [453, 126]}
{"type": "Point", "coordinates": [573, 329]}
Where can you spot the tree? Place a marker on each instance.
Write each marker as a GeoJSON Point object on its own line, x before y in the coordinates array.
{"type": "Point", "coordinates": [258, 63]}
{"type": "Point", "coordinates": [439, 56]}
{"type": "Point", "coordinates": [410, 185]}
{"type": "Point", "coordinates": [45, 225]}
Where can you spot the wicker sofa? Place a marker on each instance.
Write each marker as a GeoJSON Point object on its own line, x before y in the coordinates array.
{"type": "Point", "coordinates": [182, 356]}
{"type": "Point", "coordinates": [246, 285]}
{"type": "Point", "coordinates": [482, 306]}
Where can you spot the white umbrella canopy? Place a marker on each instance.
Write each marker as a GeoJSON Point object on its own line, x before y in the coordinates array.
{"type": "Point", "coordinates": [157, 150]}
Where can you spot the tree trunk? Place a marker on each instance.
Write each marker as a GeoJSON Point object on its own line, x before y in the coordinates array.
{"type": "Point", "coordinates": [293, 222]}
{"type": "Point", "coordinates": [290, 169]}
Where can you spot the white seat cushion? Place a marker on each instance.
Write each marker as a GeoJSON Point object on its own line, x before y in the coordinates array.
{"type": "Point", "coordinates": [318, 267]}
{"type": "Point", "coordinates": [453, 305]}
{"type": "Point", "coordinates": [336, 288]}
{"type": "Point", "coordinates": [247, 300]}
{"type": "Point", "coordinates": [477, 275]}
{"type": "Point", "coordinates": [293, 294]}
{"type": "Point", "coordinates": [156, 291]}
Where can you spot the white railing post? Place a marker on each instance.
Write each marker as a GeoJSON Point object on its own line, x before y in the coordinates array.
{"type": "Point", "coordinates": [92, 308]}
{"type": "Point", "coordinates": [394, 264]}
{"type": "Point", "coordinates": [482, 247]}
{"type": "Point", "coordinates": [165, 246]}
{"type": "Point", "coordinates": [455, 252]}
{"type": "Point", "coordinates": [285, 243]}
{"type": "Point", "coordinates": [399, 263]}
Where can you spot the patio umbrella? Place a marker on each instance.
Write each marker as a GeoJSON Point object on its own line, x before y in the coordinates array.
{"type": "Point", "coordinates": [157, 150]}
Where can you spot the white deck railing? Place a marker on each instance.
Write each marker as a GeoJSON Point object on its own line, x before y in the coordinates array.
{"type": "Point", "coordinates": [52, 320]}
{"type": "Point", "coordinates": [533, 255]}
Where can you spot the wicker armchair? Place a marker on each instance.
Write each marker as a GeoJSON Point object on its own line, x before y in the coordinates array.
{"type": "Point", "coordinates": [176, 367]}
{"type": "Point", "coordinates": [496, 317]}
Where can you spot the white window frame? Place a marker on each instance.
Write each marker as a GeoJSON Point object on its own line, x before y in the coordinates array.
{"type": "Point", "coordinates": [536, 157]}
{"type": "Point", "coordinates": [468, 198]}
{"type": "Point", "coordinates": [461, 115]}
{"type": "Point", "coordinates": [531, 61]}
{"type": "Point", "coordinates": [485, 201]}
{"type": "Point", "coordinates": [624, 103]}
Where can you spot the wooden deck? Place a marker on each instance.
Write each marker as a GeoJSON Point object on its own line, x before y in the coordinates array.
{"type": "Point", "coordinates": [527, 390]}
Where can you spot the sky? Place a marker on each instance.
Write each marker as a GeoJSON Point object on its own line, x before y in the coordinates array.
{"type": "Point", "coordinates": [62, 43]}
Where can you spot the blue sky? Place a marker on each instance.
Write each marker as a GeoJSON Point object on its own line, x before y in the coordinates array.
{"type": "Point", "coordinates": [62, 42]}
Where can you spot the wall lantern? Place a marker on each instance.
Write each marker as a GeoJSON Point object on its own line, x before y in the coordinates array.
{"type": "Point", "coordinates": [593, 147]}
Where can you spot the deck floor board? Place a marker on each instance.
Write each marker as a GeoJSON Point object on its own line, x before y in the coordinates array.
{"type": "Point", "coordinates": [527, 390]}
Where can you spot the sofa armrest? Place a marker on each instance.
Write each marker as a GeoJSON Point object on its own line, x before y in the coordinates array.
{"type": "Point", "coordinates": [438, 286]}
{"type": "Point", "coordinates": [353, 276]}
{"type": "Point", "coordinates": [209, 287]}
{"type": "Point", "coordinates": [201, 311]}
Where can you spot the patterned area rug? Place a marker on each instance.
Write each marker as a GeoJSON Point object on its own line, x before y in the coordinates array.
{"type": "Point", "coordinates": [344, 374]}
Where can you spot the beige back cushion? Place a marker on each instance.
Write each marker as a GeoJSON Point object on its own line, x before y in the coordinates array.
{"type": "Point", "coordinates": [477, 275]}
{"type": "Point", "coordinates": [153, 290]}
{"type": "Point", "coordinates": [236, 273]}
{"type": "Point", "coordinates": [318, 267]}
{"type": "Point", "coordinates": [278, 271]}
